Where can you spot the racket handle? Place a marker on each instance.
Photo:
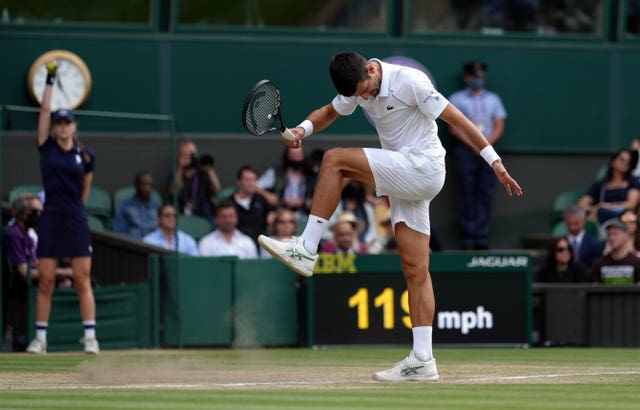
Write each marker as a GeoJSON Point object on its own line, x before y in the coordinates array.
{"type": "Point", "coordinates": [288, 134]}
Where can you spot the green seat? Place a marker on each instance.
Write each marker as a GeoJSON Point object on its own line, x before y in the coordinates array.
{"type": "Point", "coordinates": [602, 171]}
{"type": "Point", "coordinates": [21, 189]}
{"type": "Point", "coordinates": [194, 225]}
{"type": "Point", "coordinates": [99, 205]}
{"type": "Point", "coordinates": [225, 193]}
{"type": "Point", "coordinates": [95, 223]}
{"type": "Point", "coordinates": [127, 192]}
{"type": "Point", "coordinates": [562, 201]}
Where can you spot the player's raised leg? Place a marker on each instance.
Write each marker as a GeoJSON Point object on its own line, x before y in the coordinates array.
{"type": "Point", "coordinates": [338, 165]}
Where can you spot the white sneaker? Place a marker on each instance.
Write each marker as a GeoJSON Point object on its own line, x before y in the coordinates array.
{"type": "Point", "coordinates": [292, 253]}
{"type": "Point", "coordinates": [37, 346]}
{"type": "Point", "coordinates": [90, 345]}
{"type": "Point", "coordinates": [410, 369]}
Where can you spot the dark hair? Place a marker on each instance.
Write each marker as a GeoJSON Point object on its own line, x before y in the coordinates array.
{"type": "Point", "coordinates": [138, 177]}
{"type": "Point", "coordinates": [163, 207]}
{"type": "Point", "coordinates": [226, 203]}
{"type": "Point", "coordinates": [246, 168]}
{"type": "Point", "coordinates": [550, 262]}
{"type": "Point", "coordinates": [609, 174]}
{"type": "Point", "coordinates": [347, 70]}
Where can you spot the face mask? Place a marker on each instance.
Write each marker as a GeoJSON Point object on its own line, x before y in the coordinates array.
{"type": "Point", "coordinates": [32, 219]}
{"type": "Point", "coordinates": [476, 84]}
{"type": "Point", "coordinates": [296, 164]}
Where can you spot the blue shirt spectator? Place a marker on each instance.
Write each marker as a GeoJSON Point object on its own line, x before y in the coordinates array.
{"type": "Point", "coordinates": [137, 216]}
{"type": "Point", "coordinates": [167, 236]}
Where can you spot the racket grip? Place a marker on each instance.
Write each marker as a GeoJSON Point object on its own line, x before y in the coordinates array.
{"type": "Point", "coordinates": [288, 134]}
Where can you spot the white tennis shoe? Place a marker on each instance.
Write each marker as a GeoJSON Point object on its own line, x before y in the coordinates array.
{"type": "Point", "coordinates": [410, 369]}
{"type": "Point", "coordinates": [37, 346]}
{"type": "Point", "coordinates": [292, 253]}
{"type": "Point", "coordinates": [90, 345]}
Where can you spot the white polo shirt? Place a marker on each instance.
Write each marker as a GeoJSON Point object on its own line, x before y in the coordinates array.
{"type": "Point", "coordinates": [214, 244]}
{"type": "Point", "coordinates": [404, 111]}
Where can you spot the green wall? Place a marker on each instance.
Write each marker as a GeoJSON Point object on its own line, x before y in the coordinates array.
{"type": "Point", "coordinates": [561, 96]}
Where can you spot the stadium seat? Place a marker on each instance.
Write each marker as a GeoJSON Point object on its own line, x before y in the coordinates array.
{"type": "Point", "coordinates": [562, 201]}
{"type": "Point", "coordinates": [194, 225]}
{"type": "Point", "coordinates": [20, 189]}
{"type": "Point", "coordinates": [99, 205]}
{"type": "Point", "coordinates": [602, 171]}
{"type": "Point", "coordinates": [127, 192]}
{"type": "Point", "coordinates": [225, 193]}
{"type": "Point", "coordinates": [95, 223]}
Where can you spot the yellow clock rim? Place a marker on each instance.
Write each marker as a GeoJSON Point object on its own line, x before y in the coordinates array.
{"type": "Point", "coordinates": [66, 55]}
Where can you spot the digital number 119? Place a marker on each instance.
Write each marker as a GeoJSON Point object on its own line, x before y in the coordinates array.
{"type": "Point", "coordinates": [386, 301]}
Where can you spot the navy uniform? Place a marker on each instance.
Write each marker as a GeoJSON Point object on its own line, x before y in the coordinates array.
{"type": "Point", "coordinates": [64, 229]}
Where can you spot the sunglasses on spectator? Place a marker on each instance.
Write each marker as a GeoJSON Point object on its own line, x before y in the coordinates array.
{"type": "Point", "coordinates": [562, 248]}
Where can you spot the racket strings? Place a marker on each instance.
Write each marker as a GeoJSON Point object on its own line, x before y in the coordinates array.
{"type": "Point", "coordinates": [262, 109]}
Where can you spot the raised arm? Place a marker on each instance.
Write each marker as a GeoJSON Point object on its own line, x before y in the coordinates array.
{"type": "Point", "coordinates": [317, 121]}
{"type": "Point", "coordinates": [44, 121]}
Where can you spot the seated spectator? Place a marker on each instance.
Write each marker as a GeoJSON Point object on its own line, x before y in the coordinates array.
{"type": "Point", "coordinates": [137, 216]}
{"type": "Point", "coordinates": [561, 265]}
{"type": "Point", "coordinates": [345, 235]}
{"type": "Point", "coordinates": [586, 248]}
{"type": "Point", "coordinates": [253, 203]}
{"type": "Point", "coordinates": [21, 239]}
{"type": "Point", "coordinates": [619, 266]}
{"type": "Point", "coordinates": [353, 199]}
{"type": "Point", "coordinates": [618, 190]}
{"type": "Point", "coordinates": [631, 220]}
{"type": "Point", "coordinates": [385, 243]}
{"type": "Point", "coordinates": [283, 227]}
{"type": "Point", "coordinates": [167, 235]}
{"type": "Point", "coordinates": [196, 182]}
{"type": "Point", "coordinates": [227, 240]}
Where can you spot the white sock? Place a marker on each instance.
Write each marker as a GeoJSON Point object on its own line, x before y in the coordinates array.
{"type": "Point", "coordinates": [422, 342]}
{"type": "Point", "coordinates": [41, 331]}
{"type": "Point", "coordinates": [89, 329]}
{"type": "Point", "coordinates": [313, 233]}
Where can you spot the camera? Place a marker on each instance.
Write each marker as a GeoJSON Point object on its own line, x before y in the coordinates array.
{"type": "Point", "coordinates": [205, 161]}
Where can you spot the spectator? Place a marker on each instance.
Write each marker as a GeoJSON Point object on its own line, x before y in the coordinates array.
{"type": "Point", "coordinates": [476, 181]}
{"type": "Point", "coordinates": [253, 204]}
{"type": "Point", "coordinates": [167, 235]}
{"type": "Point", "coordinates": [561, 265]}
{"type": "Point", "coordinates": [385, 243]}
{"type": "Point", "coordinates": [618, 191]}
{"type": "Point", "coordinates": [137, 216]}
{"type": "Point", "coordinates": [353, 199]}
{"type": "Point", "coordinates": [227, 240]}
{"type": "Point", "coordinates": [283, 227]}
{"type": "Point", "coordinates": [586, 248]}
{"type": "Point", "coordinates": [630, 219]}
{"type": "Point", "coordinates": [67, 173]}
{"type": "Point", "coordinates": [196, 180]}
{"type": "Point", "coordinates": [619, 266]}
{"type": "Point", "coordinates": [293, 182]}
{"type": "Point", "coordinates": [20, 241]}
{"type": "Point", "coordinates": [345, 235]}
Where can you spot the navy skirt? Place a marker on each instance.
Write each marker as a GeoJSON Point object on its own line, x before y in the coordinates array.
{"type": "Point", "coordinates": [63, 235]}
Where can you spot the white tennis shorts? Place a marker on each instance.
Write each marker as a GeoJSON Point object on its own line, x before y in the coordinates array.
{"type": "Point", "coordinates": [411, 180]}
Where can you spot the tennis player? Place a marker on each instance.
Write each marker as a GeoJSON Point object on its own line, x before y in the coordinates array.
{"type": "Point", "coordinates": [409, 168]}
{"type": "Point", "coordinates": [67, 172]}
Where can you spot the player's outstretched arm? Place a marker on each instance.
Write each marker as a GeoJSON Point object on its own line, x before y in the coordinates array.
{"type": "Point", "coordinates": [317, 121]}
{"type": "Point", "coordinates": [467, 132]}
{"type": "Point", "coordinates": [44, 120]}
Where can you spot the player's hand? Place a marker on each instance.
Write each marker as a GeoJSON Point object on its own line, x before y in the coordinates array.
{"type": "Point", "coordinates": [510, 184]}
{"type": "Point", "coordinates": [297, 142]}
{"type": "Point", "coordinates": [52, 66]}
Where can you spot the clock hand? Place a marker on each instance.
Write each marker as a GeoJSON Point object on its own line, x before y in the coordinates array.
{"type": "Point", "coordinates": [64, 92]}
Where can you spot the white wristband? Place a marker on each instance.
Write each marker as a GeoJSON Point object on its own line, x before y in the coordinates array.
{"type": "Point", "coordinates": [307, 126]}
{"type": "Point", "coordinates": [489, 154]}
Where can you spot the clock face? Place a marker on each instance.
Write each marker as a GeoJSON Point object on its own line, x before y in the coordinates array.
{"type": "Point", "coordinates": [73, 81]}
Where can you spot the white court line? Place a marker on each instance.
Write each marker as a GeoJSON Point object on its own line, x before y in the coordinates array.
{"type": "Point", "coordinates": [299, 383]}
{"type": "Point", "coordinates": [550, 376]}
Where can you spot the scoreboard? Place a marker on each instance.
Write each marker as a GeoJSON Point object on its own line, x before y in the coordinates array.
{"type": "Point", "coordinates": [362, 299]}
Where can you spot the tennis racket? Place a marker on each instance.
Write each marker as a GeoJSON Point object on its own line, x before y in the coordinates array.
{"type": "Point", "coordinates": [262, 108]}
